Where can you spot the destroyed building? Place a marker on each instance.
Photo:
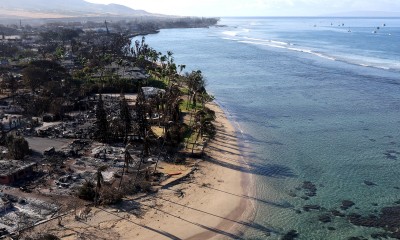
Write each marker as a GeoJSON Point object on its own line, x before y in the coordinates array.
{"type": "Point", "coordinates": [14, 170]}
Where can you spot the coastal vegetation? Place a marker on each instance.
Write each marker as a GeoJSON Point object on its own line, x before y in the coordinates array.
{"type": "Point", "coordinates": [126, 107]}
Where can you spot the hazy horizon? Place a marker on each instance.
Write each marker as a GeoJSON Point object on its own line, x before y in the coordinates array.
{"type": "Point", "coordinates": [226, 8]}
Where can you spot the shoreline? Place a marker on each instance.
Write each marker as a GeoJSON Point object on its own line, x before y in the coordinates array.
{"type": "Point", "coordinates": [216, 202]}
{"type": "Point", "coordinates": [214, 206]}
{"type": "Point", "coordinates": [245, 209]}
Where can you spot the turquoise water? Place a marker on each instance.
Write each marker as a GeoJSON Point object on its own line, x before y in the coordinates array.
{"type": "Point", "coordinates": [312, 102]}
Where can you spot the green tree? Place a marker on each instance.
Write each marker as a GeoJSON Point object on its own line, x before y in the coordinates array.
{"type": "Point", "coordinates": [205, 98]}
{"type": "Point", "coordinates": [59, 52]}
{"type": "Point", "coordinates": [196, 85]}
{"type": "Point", "coordinates": [204, 124]}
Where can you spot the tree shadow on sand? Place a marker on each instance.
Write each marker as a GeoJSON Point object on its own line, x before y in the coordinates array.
{"type": "Point", "coordinates": [270, 203]}
{"type": "Point", "coordinates": [252, 225]}
{"type": "Point", "coordinates": [267, 170]}
{"type": "Point", "coordinates": [163, 233]}
{"type": "Point", "coordinates": [210, 229]}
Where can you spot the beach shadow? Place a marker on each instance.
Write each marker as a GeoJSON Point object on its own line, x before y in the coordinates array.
{"type": "Point", "coordinates": [270, 203]}
{"type": "Point", "coordinates": [227, 144]}
{"type": "Point", "coordinates": [211, 229]}
{"type": "Point", "coordinates": [224, 133]}
{"type": "Point", "coordinates": [233, 152]}
{"type": "Point", "coordinates": [248, 154]}
{"type": "Point", "coordinates": [163, 233]}
{"type": "Point", "coordinates": [267, 170]}
{"type": "Point", "coordinates": [242, 138]}
{"type": "Point", "coordinates": [223, 150]}
{"type": "Point", "coordinates": [224, 147]}
{"type": "Point", "coordinates": [252, 225]}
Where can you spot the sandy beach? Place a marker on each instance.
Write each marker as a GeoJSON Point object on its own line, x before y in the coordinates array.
{"type": "Point", "coordinates": [210, 203]}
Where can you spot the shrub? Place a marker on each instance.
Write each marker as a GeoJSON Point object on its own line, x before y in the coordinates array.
{"type": "Point", "coordinates": [18, 147]}
{"type": "Point", "coordinates": [87, 191]}
{"type": "Point", "coordinates": [110, 195]}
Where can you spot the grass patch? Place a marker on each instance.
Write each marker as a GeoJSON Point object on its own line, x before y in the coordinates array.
{"type": "Point", "coordinates": [184, 90]}
{"type": "Point", "coordinates": [190, 138]}
{"type": "Point", "coordinates": [187, 106]}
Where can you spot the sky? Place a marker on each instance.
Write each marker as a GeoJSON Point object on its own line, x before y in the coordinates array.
{"type": "Point", "coordinates": [257, 7]}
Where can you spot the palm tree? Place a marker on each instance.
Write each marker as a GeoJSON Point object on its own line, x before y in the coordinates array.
{"type": "Point", "coordinates": [127, 160]}
{"type": "Point", "coordinates": [205, 98]}
{"type": "Point", "coordinates": [196, 84]}
{"type": "Point", "coordinates": [146, 145]}
{"type": "Point", "coordinates": [181, 67]}
{"type": "Point", "coordinates": [101, 121]}
{"type": "Point", "coordinates": [154, 56]}
{"type": "Point", "coordinates": [125, 117]}
{"type": "Point", "coordinates": [171, 72]}
{"type": "Point", "coordinates": [204, 119]}
{"type": "Point", "coordinates": [159, 102]}
{"type": "Point", "coordinates": [11, 83]}
{"type": "Point", "coordinates": [99, 182]}
{"type": "Point", "coordinates": [160, 149]}
{"type": "Point", "coordinates": [192, 127]}
{"type": "Point", "coordinates": [141, 160]}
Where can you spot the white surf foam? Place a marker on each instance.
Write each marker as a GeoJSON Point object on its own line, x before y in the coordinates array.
{"type": "Point", "coordinates": [231, 33]}
{"type": "Point", "coordinates": [356, 60]}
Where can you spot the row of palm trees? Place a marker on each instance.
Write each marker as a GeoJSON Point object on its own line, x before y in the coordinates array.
{"type": "Point", "coordinates": [167, 106]}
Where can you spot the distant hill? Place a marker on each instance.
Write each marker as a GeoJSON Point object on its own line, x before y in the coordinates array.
{"type": "Point", "coordinates": [63, 9]}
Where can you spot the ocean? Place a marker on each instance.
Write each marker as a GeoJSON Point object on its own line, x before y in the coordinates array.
{"type": "Point", "coordinates": [316, 102]}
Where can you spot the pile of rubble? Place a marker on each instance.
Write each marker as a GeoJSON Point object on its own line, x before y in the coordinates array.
{"type": "Point", "coordinates": [77, 129]}
{"type": "Point", "coordinates": [17, 212]}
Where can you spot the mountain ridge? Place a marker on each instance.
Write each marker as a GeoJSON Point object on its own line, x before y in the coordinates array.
{"type": "Point", "coordinates": [62, 8]}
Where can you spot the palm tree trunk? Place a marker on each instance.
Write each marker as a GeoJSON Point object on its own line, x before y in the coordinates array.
{"type": "Point", "coordinates": [138, 170]}
{"type": "Point", "coordinates": [190, 121]}
{"type": "Point", "coordinates": [122, 176]}
{"type": "Point", "coordinates": [195, 141]}
{"type": "Point", "coordinates": [159, 155]}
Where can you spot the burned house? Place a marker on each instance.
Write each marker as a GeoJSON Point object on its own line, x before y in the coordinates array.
{"type": "Point", "coordinates": [13, 170]}
{"type": "Point", "coordinates": [151, 92]}
{"type": "Point", "coordinates": [128, 73]}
